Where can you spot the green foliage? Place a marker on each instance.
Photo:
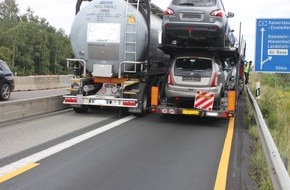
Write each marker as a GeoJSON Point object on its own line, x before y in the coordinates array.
{"type": "Point", "coordinates": [276, 80]}
{"type": "Point", "coordinates": [268, 105]}
{"type": "Point", "coordinates": [5, 54]}
{"type": "Point", "coordinates": [275, 106]}
{"type": "Point", "coordinates": [259, 169]}
{"type": "Point", "coordinates": [29, 44]}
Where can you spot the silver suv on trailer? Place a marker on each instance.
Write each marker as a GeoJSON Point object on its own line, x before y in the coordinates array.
{"type": "Point", "coordinates": [197, 22]}
{"type": "Point", "coordinates": [189, 74]}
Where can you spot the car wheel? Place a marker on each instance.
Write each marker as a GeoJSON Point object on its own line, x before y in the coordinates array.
{"type": "Point", "coordinates": [5, 91]}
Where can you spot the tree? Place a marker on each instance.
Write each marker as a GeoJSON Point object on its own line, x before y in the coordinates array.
{"type": "Point", "coordinates": [9, 18]}
{"type": "Point", "coordinates": [5, 54]}
{"type": "Point", "coordinates": [29, 44]}
{"type": "Point", "coordinates": [9, 11]}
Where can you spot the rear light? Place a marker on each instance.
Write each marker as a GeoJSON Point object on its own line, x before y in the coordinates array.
{"type": "Point", "coordinates": [170, 78]}
{"type": "Point", "coordinates": [190, 29]}
{"type": "Point", "coordinates": [225, 115]}
{"type": "Point", "coordinates": [214, 80]}
{"type": "Point", "coordinates": [70, 100]}
{"type": "Point", "coordinates": [129, 103]}
{"type": "Point", "coordinates": [168, 26]}
{"type": "Point", "coordinates": [168, 11]}
{"type": "Point", "coordinates": [218, 13]}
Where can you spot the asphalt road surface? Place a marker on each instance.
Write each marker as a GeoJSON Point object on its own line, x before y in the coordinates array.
{"type": "Point", "coordinates": [101, 150]}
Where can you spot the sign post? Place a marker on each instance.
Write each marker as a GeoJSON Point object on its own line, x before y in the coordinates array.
{"type": "Point", "coordinates": [272, 45]}
{"type": "Point", "coordinates": [258, 90]}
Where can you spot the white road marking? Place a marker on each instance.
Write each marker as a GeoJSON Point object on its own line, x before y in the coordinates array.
{"type": "Point", "coordinates": [60, 147]}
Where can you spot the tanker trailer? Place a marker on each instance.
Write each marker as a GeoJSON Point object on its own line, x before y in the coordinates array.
{"type": "Point", "coordinates": [117, 60]}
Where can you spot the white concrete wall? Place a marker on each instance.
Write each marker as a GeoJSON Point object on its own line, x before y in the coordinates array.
{"type": "Point", "coordinates": [12, 110]}
{"type": "Point", "coordinates": [42, 82]}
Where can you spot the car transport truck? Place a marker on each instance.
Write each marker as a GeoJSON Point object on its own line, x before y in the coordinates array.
{"type": "Point", "coordinates": [197, 82]}
{"type": "Point", "coordinates": [117, 60]}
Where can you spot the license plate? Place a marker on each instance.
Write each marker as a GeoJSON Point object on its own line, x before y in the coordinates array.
{"type": "Point", "coordinates": [191, 79]}
{"type": "Point", "coordinates": [100, 102]}
{"type": "Point", "coordinates": [190, 16]}
{"type": "Point", "coordinates": [190, 112]}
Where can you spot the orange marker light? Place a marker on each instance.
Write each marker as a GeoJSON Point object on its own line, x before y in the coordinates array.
{"type": "Point", "coordinates": [154, 95]}
{"type": "Point", "coordinates": [231, 101]}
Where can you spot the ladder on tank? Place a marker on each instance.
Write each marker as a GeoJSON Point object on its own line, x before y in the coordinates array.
{"type": "Point", "coordinates": [131, 27]}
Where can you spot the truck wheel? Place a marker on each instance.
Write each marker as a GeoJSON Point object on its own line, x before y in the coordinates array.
{"type": "Point", "coordinates": [241, 87]}
{"type": "Point", "coordinates": [144, 105]}
{"type": "Point", "coordinates": [81, 110]}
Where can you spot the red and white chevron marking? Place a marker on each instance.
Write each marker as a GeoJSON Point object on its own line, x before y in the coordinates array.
{"type": "Point", "coordinates": [204, 100]}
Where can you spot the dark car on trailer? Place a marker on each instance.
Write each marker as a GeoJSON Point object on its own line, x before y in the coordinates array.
{"type": "Point", "coordinates": [6, 81]}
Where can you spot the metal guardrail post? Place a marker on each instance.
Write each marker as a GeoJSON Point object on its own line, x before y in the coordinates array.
{"type": "Point", "coordinates": [278, 172]}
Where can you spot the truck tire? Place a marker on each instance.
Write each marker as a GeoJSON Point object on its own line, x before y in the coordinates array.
{"type": "Point", "coordinates": [81, 109]}
{"type": "Point", "coordinates": [241, 86]}
{"type": "Point", "coordinates": [144, 104]}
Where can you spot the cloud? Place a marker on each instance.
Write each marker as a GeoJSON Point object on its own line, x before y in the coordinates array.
{"type": "Point", "coordinates": [59, 14]}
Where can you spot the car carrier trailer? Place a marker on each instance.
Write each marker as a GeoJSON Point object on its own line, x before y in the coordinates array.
{"type": "Point", "coordinates": [202, 100]}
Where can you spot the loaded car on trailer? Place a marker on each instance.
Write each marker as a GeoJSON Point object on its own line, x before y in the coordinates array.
{"type": "Point", "coordinates": [195, 22]}
{"type": "Point", "coordinates": [197, 83]}
{"type": "Point", "coordinates": [192, 73]}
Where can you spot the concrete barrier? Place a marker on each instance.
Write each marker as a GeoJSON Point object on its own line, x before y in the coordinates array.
{"type": "Point", "coordinates": [42, 82]}
{"type": "Point", "coordinates": [31, 107]}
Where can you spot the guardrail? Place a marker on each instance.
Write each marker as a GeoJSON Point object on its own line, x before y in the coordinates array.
{"type": "Point", "coordinates": [278, 172]}
{"type": "Point", "coordinates": [20, 109]}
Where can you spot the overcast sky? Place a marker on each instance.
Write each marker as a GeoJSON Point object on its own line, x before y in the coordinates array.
{"type": "Point", "coordinates": [60, 14]}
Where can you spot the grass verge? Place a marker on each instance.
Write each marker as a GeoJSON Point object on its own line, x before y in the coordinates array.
{"type": "Point", "coordinates": [274, 103]}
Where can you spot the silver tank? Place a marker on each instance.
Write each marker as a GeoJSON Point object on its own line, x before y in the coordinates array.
{"type": "Point", "coordinates": [104, 34]}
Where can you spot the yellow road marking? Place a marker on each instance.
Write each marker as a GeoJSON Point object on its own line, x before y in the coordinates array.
{"type": "Point", "coordinates": [221, 179]}
{"type": "Point", "coordinates": [18, 172]}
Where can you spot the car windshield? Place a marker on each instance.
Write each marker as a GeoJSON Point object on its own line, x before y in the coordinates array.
{"type": "Point", "coordinates": [193, 64]}
{"type": "Point", "coordinates": [195, 3]}
{"type": "Point", "coordinates": [4, 66]}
